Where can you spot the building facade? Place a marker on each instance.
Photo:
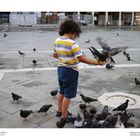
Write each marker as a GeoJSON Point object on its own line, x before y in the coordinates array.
{"type": "Point", "coordinates": [91, 18]}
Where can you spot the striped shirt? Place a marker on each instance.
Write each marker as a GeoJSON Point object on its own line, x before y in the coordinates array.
{"type": "Point", "coordinates": [68, 51]}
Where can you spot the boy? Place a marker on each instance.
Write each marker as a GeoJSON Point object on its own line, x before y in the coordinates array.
{"type": "Point", "coordinates": [69, 54]}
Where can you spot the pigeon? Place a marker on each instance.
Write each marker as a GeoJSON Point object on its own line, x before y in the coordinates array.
{"type": "Point", "coordinates": [82, 106]}
{"type": "Point", "coordinates": [96, 124]}
{"type": "Point", "coordinates": [109, 66]}
{"type": "Point", "coordinates": [21, 53]}
{"type": "Point", "coordinates": [87, 41]}
{"type": "Point", "coordinates": [125, 116]}
{"type": "Point", "coordinates": [44, 108]}
{"type": "Point", "coordinates": [128, 56]}
{"type": "Point", "coordinates": [34, 62]}
{"type": "Point", "coordinates": [25, 113]}
{"type": "Point", "coordinates": [117, 34]}
{"type": "Point", "coordinates": [97, 54]}
{"type": "Point", "coordinates": [107, 51]}
{"type": "Point", "coordinates": [124, 52]}
{"type": "Point", "coordinates": [15, 97]}
{"type": "Point", "coordinates": [93, 110]}
{"type": "Point", "coordinates": [103, 44]}
{"type": "Point", "coordinates": [53, 92]}
{"type": "Point", "coordinates": [78, 122]}
{"type": "Point", "coordinates": [112, 60]}
{"type": "Point", "coordinates": [34, 49]}
{"type": "Point", "coordinates": [119, 123]}
{"type": "Point", "coordinates": [110, 121]}
{"type": "Point", "coordinates": [87, 99]}
{"type": "Point", "coordinates": [122, 107]}
{"type": "Point", "coordinates": [137, 82]}
{"type": "Point", "coordinates": [5, 35]}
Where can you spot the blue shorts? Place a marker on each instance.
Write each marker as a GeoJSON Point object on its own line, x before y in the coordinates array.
{"type": "Point", "coordinates": [68, 81]}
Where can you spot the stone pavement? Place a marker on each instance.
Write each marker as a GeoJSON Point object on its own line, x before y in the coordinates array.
{"type": "Point", "coordinates": [34, 84]}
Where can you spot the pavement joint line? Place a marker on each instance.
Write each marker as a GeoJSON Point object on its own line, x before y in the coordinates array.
{"type": "Point", "coordinates": [80, 67]}
{"type": "Point", "coordinates": [131, 49]}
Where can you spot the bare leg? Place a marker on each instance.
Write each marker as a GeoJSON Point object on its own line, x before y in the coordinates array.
{"type": "Point", "coordinates": [65, 106]}
{"type": "Point", "coordinates": [60, 100]}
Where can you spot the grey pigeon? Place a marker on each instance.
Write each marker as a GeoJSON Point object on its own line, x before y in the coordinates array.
{"type": "Point", "coordinates": [78, 122]}
{"type": "Point", "coordinates": [34, 49]}
{"type": "Point", "coordinates": [109, 66]}
{"type": "Point", "coordinates": [25, 113]}
{"type": "Point", "coordinates": [5, 35]}
{"type": "Point", "coordinates": [87, 41]}
{"type": "Point", "coordinates": [87, 99]}
{"type": "Point", "coordinates": [21, 53]}
{"type": "Point", "coordinates": [122, 107]}
{"type": "Point", "coordinates": [15, 97]}
{"type": "Point", "coordinates": [92, 110]}
{"type": "Point", "coordinates": [54, 92]}
{"type": "Point", "coordinates": [82, 106]}
{"type": "Point", "coordinates": [34, 62]}
{"type": "Point", "coordinates": [137, 82]}
{"type": "Point", "coordinates": [44, 108]}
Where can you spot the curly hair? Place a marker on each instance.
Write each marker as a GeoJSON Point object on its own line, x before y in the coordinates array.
{"type": "Point", "coordinates": [69, 26]}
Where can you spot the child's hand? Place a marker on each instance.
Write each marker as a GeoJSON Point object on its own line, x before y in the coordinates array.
{"type": "Point", "coordinates": [101, 62]}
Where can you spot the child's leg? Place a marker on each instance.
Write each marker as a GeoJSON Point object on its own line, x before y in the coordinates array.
{"type": "Point", "coordinates": [65, 106]}
{"type": "Point", "coordinates": [60, 101]}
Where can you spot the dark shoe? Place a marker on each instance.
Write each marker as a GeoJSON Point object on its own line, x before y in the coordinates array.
{"type": "Point", "coordinates": [58, 114]}
{"type": "Point", "coordinates": [61, 123]}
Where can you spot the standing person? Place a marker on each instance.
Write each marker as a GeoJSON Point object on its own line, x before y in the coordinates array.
{"type": "Point", "coordinates": [67, 50]}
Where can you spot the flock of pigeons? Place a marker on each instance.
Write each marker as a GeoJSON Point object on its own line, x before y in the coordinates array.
{"type": "Point", "coordinates": [91, 117]}
{"type": "Point", "coordinates": [107, 52]}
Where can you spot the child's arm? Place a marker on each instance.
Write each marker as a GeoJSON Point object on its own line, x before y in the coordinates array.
{"type": "Point", "coordinates": [55, 55]}
{"type": "Point", "coordinates": [86, 60]}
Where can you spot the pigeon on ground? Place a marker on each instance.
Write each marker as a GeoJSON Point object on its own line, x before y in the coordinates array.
{"type": "Point", "coordinates": [34, 62]}
{"type": "Point", "coordinates": [117, 34]}
{"type": "Point", "coordinates": [87, 99]}
{"type": "Point", "coordinates": [54, 92]}
{"type": "Point", "coordinates": [21, 53]}
{"type": "Point", "coordinates": [124, 52]}
{"type": "Point", "coordinates": [109, 66]}
{"type": "Point", "coordinates": [122, 107]}
{"type": "Point", "coordinates": [5, 35]}
{"type": "Point", "coordinates": [128, 57]}
{"type": "Point", "coordinates": [137, 82]}
{"type": "Point", "coordinates": [82, 106]}
{"type": "Point", "coordinates": [87, 41]}
{"type": "Point", "coordinates": [45, 108]}
{"type": "Point", "coordinates": [110, 121]}
{"type": "Point", "coordinates": [125, 116]}
{"type": "Point", "coordinates": [78, 122]}
{"type": "Point", "coordinates": [34, 49]}
{"type": "Point", "coordinates": [25, 113]}
{"type": "Point", "coordinates": [15, 97]}
{"type": "Point", "coordinates": [119, 123]}
{"type": "Point", "coordinates": [93, 110]}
